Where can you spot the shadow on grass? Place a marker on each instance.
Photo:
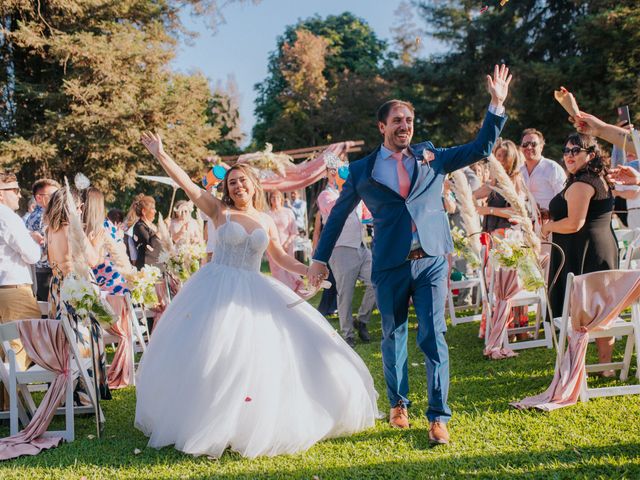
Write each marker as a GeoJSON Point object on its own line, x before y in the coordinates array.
{"type": "Point", "coordinates": [609, 461]}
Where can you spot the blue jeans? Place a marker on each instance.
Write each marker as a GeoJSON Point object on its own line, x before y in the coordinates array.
{"type": "Point", "coordinates": [424, 280]}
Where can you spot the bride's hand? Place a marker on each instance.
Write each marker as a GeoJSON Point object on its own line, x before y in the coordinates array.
{"type": "Point", "coordinates": [153, 143]}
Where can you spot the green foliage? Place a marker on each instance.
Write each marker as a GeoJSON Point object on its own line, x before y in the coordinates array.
{"type": "Point", "coordinates": [81, 79]}
{"type": "Point", "coordinates": [490, 440]}
{"type": "Point", "coordinates": [351, 57]}
{"type": "Point", "coordinates": [588, 46]}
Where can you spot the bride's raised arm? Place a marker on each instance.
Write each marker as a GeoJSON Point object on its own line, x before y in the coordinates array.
{"type": "Point", "coordinates": [209, 204]}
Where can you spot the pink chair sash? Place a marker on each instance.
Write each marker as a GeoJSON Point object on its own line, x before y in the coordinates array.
{"type": "Point", "coordinates": [506, 286]}
{"type": "Point", "coordinates": [596, 300]}
{"type": "Point", "coordinates": [163, 301]}
{"type": "Point", "coordinates": [119, 374]}
{"type": "Point", "coordinates": [46, 344]}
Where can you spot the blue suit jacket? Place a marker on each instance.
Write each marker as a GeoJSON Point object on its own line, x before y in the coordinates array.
{"type": "Point", "coordinates": [392, 214]}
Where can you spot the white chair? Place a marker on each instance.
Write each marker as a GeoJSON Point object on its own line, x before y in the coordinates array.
{"type": "Point", "coordinates": [626, 237]}
{"type": "Point", "coordinates": [524, 298]}
{"type": "Point", "coordinates": [631, 255]}
{"type": "Point", "coordinates": [44, 309]}
{"type": "Point", "coordinates": [472, 283]}
{"type": "Point", "coordinates": [619, 328]}
{"type": "Point", "coordinates": [19, 380]}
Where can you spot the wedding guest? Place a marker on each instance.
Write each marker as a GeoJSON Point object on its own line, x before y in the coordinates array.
{"type": "Point", "coordinates": [59, 253]}
{"type": "Point", "coordinates": [130, 220]}
{"type": "Point", "coordinates": [117, 219]}
{"type": "Point", "coordinates": [543, 177]}
{"type": "Point", "coordinates": [497, 210]}
{"type": "Point", "coordinates": [285, 221]}
{"type": "Point", "coordinates": [42, 191]}
{"type": "Point", "coordinates": [350, 261]}
{"type": "Point", "coordinates": [18, 251]}
{"type": "Point", "coordinates": [299, 208]}
{"type": "Point", "coordinates": [31, 206]}
{"type": "Point", "coordinates": [96, 226]}
{"type": "Point", "coordinates": [183, 227]}
{"type": "Point", "coordinates": [581, 224]}
{"type": "Point", "coordinates": [145, 237]}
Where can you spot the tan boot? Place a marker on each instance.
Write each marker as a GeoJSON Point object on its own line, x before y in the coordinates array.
{"type": "Point", "coordinates": [438, 434]}
{"type": "Point", "coordinates": [399, 417]}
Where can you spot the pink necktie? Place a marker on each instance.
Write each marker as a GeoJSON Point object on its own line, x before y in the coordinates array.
{"type": "Point", "coordinates": [404, 183]}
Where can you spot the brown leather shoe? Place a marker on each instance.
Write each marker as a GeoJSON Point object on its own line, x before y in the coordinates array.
{"type": "Point", "coordinates": [438, 434]}
{"type": "Point", "coordinates": [398, 417]}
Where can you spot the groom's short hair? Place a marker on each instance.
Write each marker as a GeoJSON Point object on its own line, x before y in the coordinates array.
{"type": "Point", "coordinates": [385, 108]}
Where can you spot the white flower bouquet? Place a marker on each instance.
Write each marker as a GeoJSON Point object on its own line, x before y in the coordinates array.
{"type": "Point", "coordinates": [84, 298]}
{"type": "Point", "coordinates": [511, 252]}
{"type": "Point", "coordinates": [183, 260]}
{"type": "Point", "coordinates": [143, 286]}
{"type": "Point", "coordinates": [463, 248]}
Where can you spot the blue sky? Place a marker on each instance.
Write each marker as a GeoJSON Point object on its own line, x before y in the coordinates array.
{"type": "Point", "coordinates": [242, 45]}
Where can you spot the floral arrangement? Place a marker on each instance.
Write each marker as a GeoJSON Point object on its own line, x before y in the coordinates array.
{"type": "Point", "coordinates": [84, 298]}
{"type": "Point", "coordinates": [511, 252]}
{"type": "Point", "coordinates": [463, 248]}
{"type": "Point", "coordinates": [266, 160]}
{"type": "Point", "coordinates": [143, 286]}
{"type": "Point", "coordinates": [183, 260]}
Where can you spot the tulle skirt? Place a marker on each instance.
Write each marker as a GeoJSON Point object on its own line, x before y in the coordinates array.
{"type": "Point", "coordinates": [230, 365]}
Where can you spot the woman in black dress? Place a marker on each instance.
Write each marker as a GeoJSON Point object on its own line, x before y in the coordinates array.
{"type": "Point", "coordinates": [497, 212]}
{"type": "Point", "coordinates": [144, 236]}
{"type": "Point", "coordinates": [581, 223]}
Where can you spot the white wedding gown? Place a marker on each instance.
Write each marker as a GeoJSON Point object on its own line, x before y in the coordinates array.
{"type": "Point", "coordinates": [230, 365]}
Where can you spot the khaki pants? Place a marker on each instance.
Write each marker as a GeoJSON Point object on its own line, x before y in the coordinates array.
{"type": "Point", "coordinates": [18, 303]}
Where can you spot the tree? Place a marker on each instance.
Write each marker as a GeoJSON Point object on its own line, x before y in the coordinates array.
{"type": "Point", "coordinates": [224, 111]}
{"type": "Point", "coordinates": [81, 79]}
{"type": "Point", "coordinates": [407, 38]}
{"type": "Point", "coordinates": [589, 46]}
{"type": "Point", "coordinates": [347, 50]}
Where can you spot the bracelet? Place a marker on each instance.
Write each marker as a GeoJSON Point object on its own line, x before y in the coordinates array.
{"type": "Point", "coordinates": [491, 211]}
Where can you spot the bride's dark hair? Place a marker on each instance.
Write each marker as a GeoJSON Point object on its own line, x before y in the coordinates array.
{"type": "Point", "coordinates": [258, 195]}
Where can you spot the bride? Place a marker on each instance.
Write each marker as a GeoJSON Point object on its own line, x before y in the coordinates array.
{"type": "Point", "coordinates": [230, 365]}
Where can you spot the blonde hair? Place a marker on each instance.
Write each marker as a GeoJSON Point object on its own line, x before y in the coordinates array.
{"type": "Point", "coordinates": [258, 196]}
{"type": "Point", "coordinates": [93, 211]}
{"type": "Point", "coordinates": [272, 195]}
{"type": "Point", "coordinates": [57, 214]}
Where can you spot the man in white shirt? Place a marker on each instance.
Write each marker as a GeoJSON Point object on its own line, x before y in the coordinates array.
{"type": "Point", "coordinates": [350, 261]}
{"type": "Point", "coordinates": [18, 250]}
{"type": "Point", "coordinates": [544, 178]}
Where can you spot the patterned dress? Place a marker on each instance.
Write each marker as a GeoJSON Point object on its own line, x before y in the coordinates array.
{"type": "Point", "coordinates": [108, 278]}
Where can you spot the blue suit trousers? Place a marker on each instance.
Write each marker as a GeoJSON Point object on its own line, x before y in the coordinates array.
{"type": "Point", "coordinates": [424, 280]}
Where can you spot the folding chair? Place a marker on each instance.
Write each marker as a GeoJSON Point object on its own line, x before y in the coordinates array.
{"type": "Point", "coordinates": [619, 328]}
{"type": "Point", "coordinates": [524, 298]}
{"type": "Point", "coordinates": [472, 283]}
{"type": "Point", "coordinates": [19, 380]}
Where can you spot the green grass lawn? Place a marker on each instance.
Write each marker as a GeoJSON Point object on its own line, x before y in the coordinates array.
{"type": "Point", "coordinates": [599, 439]}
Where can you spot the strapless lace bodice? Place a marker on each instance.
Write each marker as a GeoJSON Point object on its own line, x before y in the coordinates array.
{"type": "Point", "coordinates": [237, 248]}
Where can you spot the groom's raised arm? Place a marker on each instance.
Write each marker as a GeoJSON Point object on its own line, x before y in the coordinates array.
{"type": "Point", "coordinates": [454, 158]}
{"type": "Point", "coordinates": [347, 201]}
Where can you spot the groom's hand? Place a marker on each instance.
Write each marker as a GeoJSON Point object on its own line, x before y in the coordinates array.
{"type": "Point", "coordinates": [317, 273]}
{"type": "Point", "coordinates": [498, 85]}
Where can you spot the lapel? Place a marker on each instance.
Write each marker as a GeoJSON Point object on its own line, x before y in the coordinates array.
{"type": "Point", "coordinates": [422, 177]}
{"type": "Point", "coordinates": [371, 160]}
{"type": "Point", "coordinates": [416, 167]}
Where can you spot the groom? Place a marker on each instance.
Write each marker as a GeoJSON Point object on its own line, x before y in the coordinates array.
{"type": "Point", "coordinates": [401, 184]}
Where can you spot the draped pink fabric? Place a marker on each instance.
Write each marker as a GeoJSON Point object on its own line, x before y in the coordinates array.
{"type": "Point", "coordinates": [163, 301]}
{"type": "Point", "coordinates": [47, 345]}
{"type": "Point", "coordinates": [302, 174]}
{"type": "Point", "coordinates": [596, 300]}
{"type": "Point", "coordinates": [506, 286]}
{"type": "Point", "coordinates": [119, 374]}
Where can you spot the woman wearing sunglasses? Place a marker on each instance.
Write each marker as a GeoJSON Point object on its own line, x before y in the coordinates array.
{"type": "Point", "coordinates": [581, 223]}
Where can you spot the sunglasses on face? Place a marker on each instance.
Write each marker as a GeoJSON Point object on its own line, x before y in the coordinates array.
{"type": "Point", "coordinates": [529, 144]}
{"type": "Point", "coordinates": [572, 151]}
